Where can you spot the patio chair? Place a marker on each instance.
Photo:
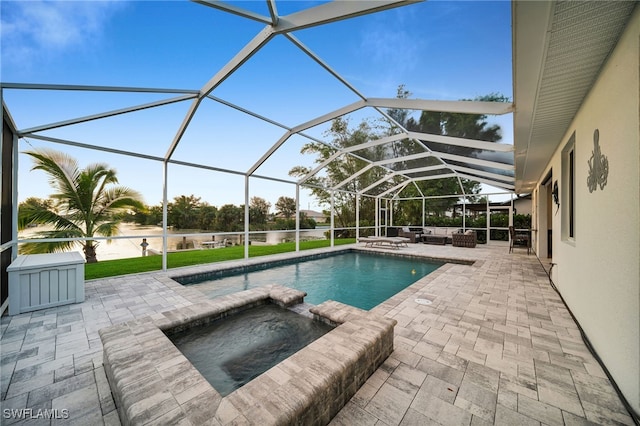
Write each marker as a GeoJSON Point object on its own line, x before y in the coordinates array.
{"type": "Point", "coordinates": [464, 239]}
{"type": "Point", "coordinates": [414, 236]}
{"type": "Point", "coordinates": [518, 238]}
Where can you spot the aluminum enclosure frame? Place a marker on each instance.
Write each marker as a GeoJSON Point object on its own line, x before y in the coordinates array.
{"type": "Point", "coordinates": [285, 26]}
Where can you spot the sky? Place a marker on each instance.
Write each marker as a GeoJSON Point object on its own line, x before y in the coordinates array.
{"type": "Point", "coordinates": [440, 50]}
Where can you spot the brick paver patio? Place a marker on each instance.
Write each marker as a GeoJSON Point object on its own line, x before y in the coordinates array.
{"type": "Point", "coordinates": [495, 346]}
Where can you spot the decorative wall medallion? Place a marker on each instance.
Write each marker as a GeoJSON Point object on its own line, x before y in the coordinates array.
{"type": "Point", "coordinates": [598, 166]}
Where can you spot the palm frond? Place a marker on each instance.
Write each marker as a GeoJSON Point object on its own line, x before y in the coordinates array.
{"type": "Point", "coordinates": [61, 233]}
{"type": "Point", "coordinates": [31, 214]}
{"type": "Point", "coordinates": [119, 198]}
{"type": "Point", "coordinates": [103, 176]}
{"type": "Point", "coordinates": [107, 229]}
{"type": "Point", "coordinates": [53, 246]}
{"type": "Point", "coordinates": [62, 169]}
{"type": "Point", "coordinates": [90, 185]}
{"type": "Point", "coordinates": [48, 247]}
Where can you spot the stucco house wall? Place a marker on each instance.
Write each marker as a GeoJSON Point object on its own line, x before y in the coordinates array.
{"type": "Point", "coordinates": [598, 271]}
{"type": "Point", "coordinates": [522, 205]}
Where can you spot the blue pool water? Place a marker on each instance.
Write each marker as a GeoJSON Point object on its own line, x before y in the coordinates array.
{"type": "Point", "coordinates": [358, 279]}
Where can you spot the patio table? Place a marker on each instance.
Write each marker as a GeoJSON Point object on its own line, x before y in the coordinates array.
{"type": "Point", "coordinates": [434, 239]}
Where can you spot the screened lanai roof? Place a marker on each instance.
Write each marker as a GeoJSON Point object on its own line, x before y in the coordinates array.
{"type": "Point", "coordinates": [174, 119]}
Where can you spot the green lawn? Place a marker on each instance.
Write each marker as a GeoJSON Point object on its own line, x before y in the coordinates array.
{"type": "Point", "coordinates": [110, 268]}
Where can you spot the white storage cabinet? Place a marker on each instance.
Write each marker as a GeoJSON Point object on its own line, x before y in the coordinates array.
{"type": "Point", "coordinates": [39, 281]}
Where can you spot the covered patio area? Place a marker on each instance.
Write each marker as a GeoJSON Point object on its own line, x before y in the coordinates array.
{"type": "Point", "coordinates": [496, 346]}
{"type": "Point", "coordinates": [496, 343]}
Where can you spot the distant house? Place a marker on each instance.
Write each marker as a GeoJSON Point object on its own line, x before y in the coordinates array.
{"type": "Point", "coordinates": [521, 205]}
{"type": "Point", "coordinates": [317, 216]}
{"type": "Point", "coordinates": [311, 214]}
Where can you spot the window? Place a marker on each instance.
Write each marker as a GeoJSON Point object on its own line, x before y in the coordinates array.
{"type": "Point", "coordinates": [568, 193]}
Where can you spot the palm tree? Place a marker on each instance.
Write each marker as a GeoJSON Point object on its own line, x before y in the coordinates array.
{"type": "Point", "coordinates": [85, 203]}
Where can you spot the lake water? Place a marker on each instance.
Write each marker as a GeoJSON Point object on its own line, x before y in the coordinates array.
{"type": "Point", "coordinates": [122, 248]}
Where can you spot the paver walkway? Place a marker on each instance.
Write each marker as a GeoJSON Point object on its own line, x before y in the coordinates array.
{"type": "Point", "coordinates": [496, 346]}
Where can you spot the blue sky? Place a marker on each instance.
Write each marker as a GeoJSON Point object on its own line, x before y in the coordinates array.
{"type": "Point", "coordinates": [443, 50]}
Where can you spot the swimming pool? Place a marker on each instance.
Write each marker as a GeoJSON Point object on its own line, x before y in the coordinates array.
{"type": "Point", "coordinates": [359, 279]}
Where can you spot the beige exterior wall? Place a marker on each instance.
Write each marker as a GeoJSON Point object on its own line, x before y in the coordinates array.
{"type": "Point", "coordinates": [598, 272]}
{"type": "Point", "coordinates": [522, 205]}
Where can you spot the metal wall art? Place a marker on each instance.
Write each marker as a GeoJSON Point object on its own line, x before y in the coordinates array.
{"type": "Point", "coordinates": [598, 166]}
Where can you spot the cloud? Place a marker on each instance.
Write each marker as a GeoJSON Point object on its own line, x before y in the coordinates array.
{"type": "Point", "coordinates": [37, 29]}
{"type": "Point", "coordinates": [390, 49]}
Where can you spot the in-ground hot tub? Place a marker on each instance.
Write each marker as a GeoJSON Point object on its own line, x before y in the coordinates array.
{"type": "Point", "coordinates": [152, 381]}
{"type": "Point", "coordinates": [232, 351]}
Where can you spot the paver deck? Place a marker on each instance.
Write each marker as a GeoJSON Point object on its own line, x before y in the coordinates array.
{"type": "Point", "coordinates": [495, 346]}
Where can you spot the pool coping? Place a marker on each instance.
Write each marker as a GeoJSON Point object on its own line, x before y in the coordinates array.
{"type": "Point", "coordinates": [210, 271]}
{"type": "Point", "coordinates": [152, 382]}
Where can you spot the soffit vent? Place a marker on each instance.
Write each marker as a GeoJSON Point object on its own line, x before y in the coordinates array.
{"type": "Point", "coordinates": [582, 36]}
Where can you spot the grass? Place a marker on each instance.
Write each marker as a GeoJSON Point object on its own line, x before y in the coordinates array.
{"type": "Point", "coordinates": [110, 268]}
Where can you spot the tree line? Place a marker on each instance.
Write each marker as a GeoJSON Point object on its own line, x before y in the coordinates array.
{"type": "Point", "coordinates": [342, 135]}
{"type": "Point", "coordinates": [189, 212]}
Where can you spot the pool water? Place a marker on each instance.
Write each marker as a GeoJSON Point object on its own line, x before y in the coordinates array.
{"type": "Point", "coordinates": [231, 352]}
{"type": "Point", "coordinates": [362, 280]}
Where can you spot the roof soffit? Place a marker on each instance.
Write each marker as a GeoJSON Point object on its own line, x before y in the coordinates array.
{"type": "Point", "coordinates": [559, 49]}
